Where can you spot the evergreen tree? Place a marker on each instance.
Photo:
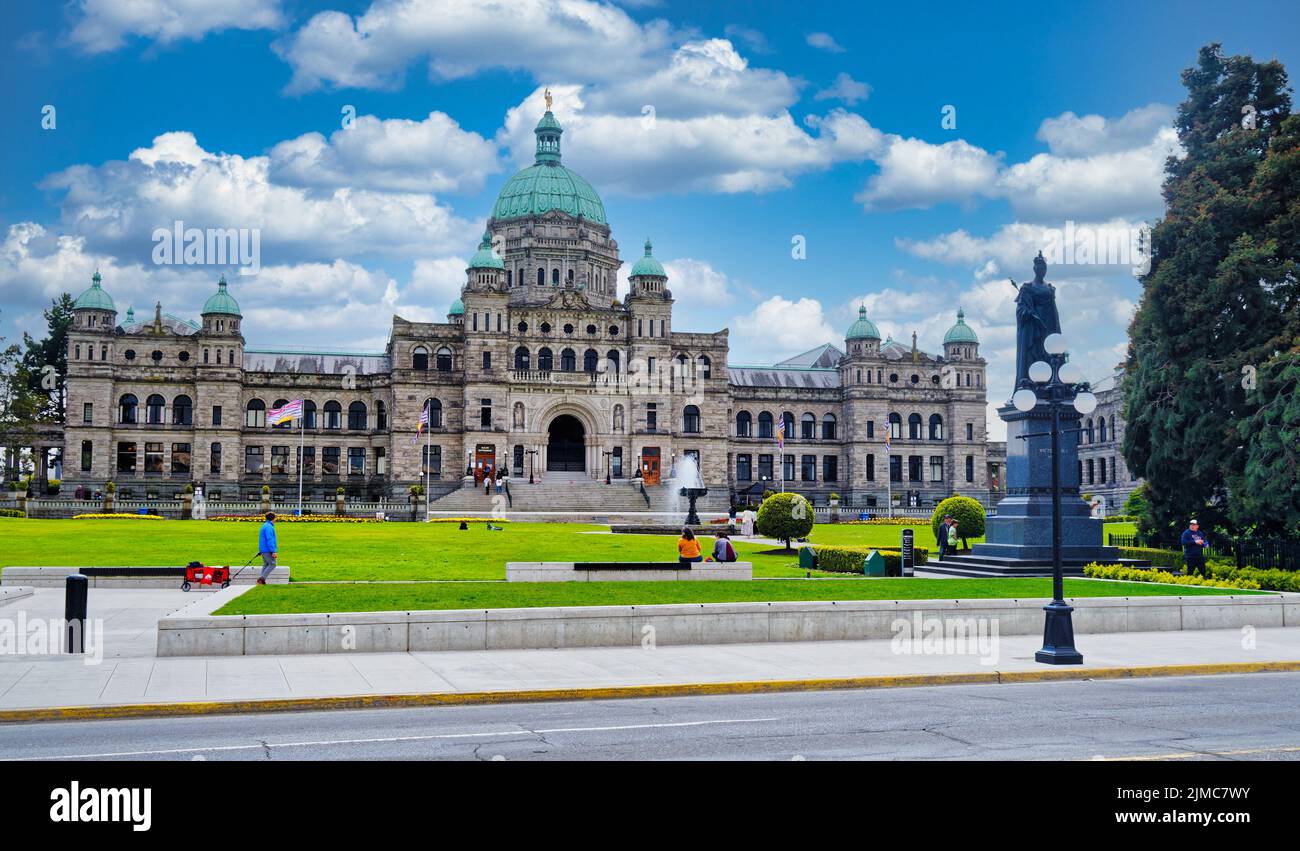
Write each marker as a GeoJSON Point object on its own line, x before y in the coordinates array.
{"type": "Point", "coordinates": [1219, 301]}
{"type": "Point", "coordinates": [46, 361]}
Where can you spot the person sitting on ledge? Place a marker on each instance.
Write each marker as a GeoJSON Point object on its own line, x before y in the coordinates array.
{"type": "Point", "coordinates": [688, 549]}
{"type": "Point", "coordinates": [722, 548]}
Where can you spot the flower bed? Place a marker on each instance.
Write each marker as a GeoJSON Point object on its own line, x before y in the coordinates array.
{"type": "Point", "coordinates": [1136, 574]}
{"type": "Point", "coordinates": [116, 517]}
{"type": "Point", "coordinates": [291, 518]}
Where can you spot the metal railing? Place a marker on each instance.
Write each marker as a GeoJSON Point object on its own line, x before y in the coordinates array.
{"type": "Point", "coordinates": [1262, 553]}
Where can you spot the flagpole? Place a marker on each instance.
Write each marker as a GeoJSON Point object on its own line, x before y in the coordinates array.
{"type": "Point", "coordinates": [889, 474]}
{"type": "Point", "coordinates": [302, 437]}
{"type": "Point", "coordinates": [428, 443]}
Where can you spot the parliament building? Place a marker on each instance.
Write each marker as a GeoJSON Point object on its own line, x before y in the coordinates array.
{"type": "Point", "coordinates": [540, 369]}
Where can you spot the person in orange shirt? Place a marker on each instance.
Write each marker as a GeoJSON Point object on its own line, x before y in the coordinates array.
{"type": "Point", "coordinates": [688, 549]}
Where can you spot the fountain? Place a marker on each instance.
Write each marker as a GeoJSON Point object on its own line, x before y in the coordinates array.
{"type": "Point", "coordinates": [691, 486]}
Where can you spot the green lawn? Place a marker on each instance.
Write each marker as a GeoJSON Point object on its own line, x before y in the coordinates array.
{"type": "Point", "coordinates": [293, 599]}
{"type": "Point", "coordinates": [380, 551]}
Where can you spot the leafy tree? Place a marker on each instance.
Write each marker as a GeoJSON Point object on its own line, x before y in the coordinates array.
{"type": "Point", "coordinates": [968, 513]}
{"type": "Point", "coordinates": [785, 516]}
{"type": "Point", "coordinates": [20, 406]}
{"type": "Point", "coordinates": [46, 361]}
{"type": "Point", "coordinates": [1220, 299]}
{"type": "Point", "coordinates": [1137, 503]}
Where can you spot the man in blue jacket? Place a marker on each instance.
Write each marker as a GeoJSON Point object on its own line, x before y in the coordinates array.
{"type": "Point", "coordinates": [1194, 543]}
{"type": "Point", "coordinates": [267, 547]}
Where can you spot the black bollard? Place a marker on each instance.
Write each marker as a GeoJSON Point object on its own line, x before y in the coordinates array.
{"type": "Point", "coordinates": [74, 611]}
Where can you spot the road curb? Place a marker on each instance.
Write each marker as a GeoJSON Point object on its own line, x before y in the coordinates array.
{"type": "Point", "coordinates": [377, 701]}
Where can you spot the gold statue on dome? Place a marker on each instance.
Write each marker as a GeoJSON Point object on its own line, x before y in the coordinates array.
{"type": "Point", "coordinates": [547, 95]}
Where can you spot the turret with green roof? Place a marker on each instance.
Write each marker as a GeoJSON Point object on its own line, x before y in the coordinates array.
{"type": "Point", "coordinates": [648, 265]}
{"type": "Point", "coordinates": [486, 257]}
{"type": "Point", "coordinates": [221, 301]}
{"type": "Point", "coordinates": [548, 185]}
{"type": "Point", "coordinates": [863, 328]}
{"type": "Point", "coordinates": [961, 332]}
{"type": "Point", "coordinates": [94, 298]}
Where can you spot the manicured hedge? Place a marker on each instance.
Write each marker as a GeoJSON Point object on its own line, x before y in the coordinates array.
{"type": "Point", "coordinates": [1138, 574]}
{"type": "Point", "coordinates": [11, 512]}
{"type": "Point", "coordinates": [849, 559]}
{"type": "Point", "coordinates": [1269, 580]}
{"type": "Point", "coordinates": [1159, 558]}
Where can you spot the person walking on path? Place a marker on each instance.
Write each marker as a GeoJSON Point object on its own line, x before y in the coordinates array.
{"type": "Point", "coordinates": [944, 535]}
{"type": "Point", "coordinates": [722, 548]}
{"type": "Point", "coordinates": [1194, 543]}
{"type": "Point", "coordinates": [688, 549]}
{"type": "Point", "coordinates": [266, 545]}
{"type": "Point", "coordinates": [500, 477]}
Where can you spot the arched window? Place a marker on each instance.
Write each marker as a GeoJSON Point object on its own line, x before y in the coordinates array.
{"type": "Point", "coordinates": [568, 360]}
{"type": "Point", "coordinates": [569, 276]}
{"type": "Point", "coordinates": [828, 427]}
{"type": "Point", "coordinates": [357, 416]}
{"type": "Point", "coordinates": [765, 424]}
{"type": "Point", "coordinates": [895, 427]}
{"type": "Point", "coordinates": [126, 409]}
{"type": "Point", "coordinates": [704, 366]}
{"type": "Point", "coordinates": [788, 419]}
{"type": "Point", "coordinates": [1091, 435]}
{"type": "Point", "coordinates": [555, 277]}
{"type": "Point", "coordinates": [541, 277]}
{"type": "Point", "coordinates": [155, 405]}
{"type": "Point", "coordinates": [807, 427]}
{"type": "Point", "coordinates": [182, 410]}
{"type": "Point", "coordinates": [545, 359]}
{"type": "Point", "coordinates": [381, 415]}
{"type": "Point", "coordinates": [691, 420]}
{"type": "Point", "coordinates": [744, 424]}
{"type": "Point", "coordinates": [435, 413]}
{"type": "Point", "coordinates": [333, 415]}
{"type": "Point", "coordinates": [255, 414]}
{"type": "Point", "coordinates": [420, 358]}
{"type": "Point", "coordinates": [589, 360]}
{"type": "Point", "coordinates": [612, 359]}
{"type": "Point", "coordinates": [914, 427]}
{"type": "Point", "coordinates": [1102, 435]}
{"type": "Point", "coordinates": [309, 414]}
{"type": "Point", "coordinates": [444, 359]}
{"type": "Point", "coordinates": [521, 357]}
{"type": "Point", "coordinates": [280, 403]}
{"type": "Point", "coordinates": [936, 427]}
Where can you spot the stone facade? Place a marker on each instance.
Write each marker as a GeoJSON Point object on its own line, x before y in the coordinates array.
{"type": "Point", "coordinates": [1102, 469]}
{"type": "Point", "coordinates": [540, 368]}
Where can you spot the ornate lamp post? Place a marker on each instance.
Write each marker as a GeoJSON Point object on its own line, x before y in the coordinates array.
{"type": "Point", "coordinates": [608, 453]}
{"type": "Point", "coordinates": [532, 453]}
{"type": "Point", "coordinates": [1055, 383]}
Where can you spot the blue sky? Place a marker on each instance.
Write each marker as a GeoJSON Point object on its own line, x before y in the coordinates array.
{"type": "Point", "coordinates": [771, 121]}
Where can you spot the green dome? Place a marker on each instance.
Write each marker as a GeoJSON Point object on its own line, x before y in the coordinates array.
{"type": "Point", "coordinates": [864, 328]}
{"type": "Point", "coordinates": [961, 332]}
{"type": "Point", "coordinates": [221, 301]}
{"type": "Point", "coordinates": [457, 308]}
{"type": "Point", "coordinates": [647, 265]}
{"type": "Point", "coordinates": [485, 257]}
{"type": "Point", "coordinates": [547, 185]}
{"type": "Point", "coordinates": [94, 298]}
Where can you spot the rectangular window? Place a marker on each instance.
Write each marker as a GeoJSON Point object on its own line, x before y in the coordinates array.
{"type": "Point", "coordinates": [431, 460]}
{"type": "Point", "coordinates": [180, 457]}
{"type": "Point", "coordinates": [356, 460]}
{"type": "Point", "coordinates": [970, 431]}
{"type": "Point", "coordinates": [87, 455]}
{"type": "Point", "coordinates": [787, 467]}
{"type": "Point", "coordinates": [830, 468]}
{"type": "Point", "coordinates": [252, 460]}
{"type": "Point", "coordinates": [871, 468]}
{"type": "Point", "coordinates": [381, 461]}
{"type": "Point", "coordinates": [88, 412]}
{"type": "Point", "coordinates": [871, 429]}
{"type": "Point", "coordinates": [214, 462]}
{"type": "Point", "coordinates": [153, 457]}
{"type": "Point", "coordinates": [765, 467]}
{"type": "Point", "coordinates": [279, 460]}
{"type": "Point", "coordinates": [914, 468]}
{"type": "Point", "coordinates": [650, 366]}
{"type": "Point", "coordinates": [330, 461]}
{"type": "Point", "coordinates": [896, 468]}
{"type": "Point", "coordinates": [487, 360]}
{"type": "Point", "coordinates": [936, 468]}
{"type": "Point", "coordinates": [216, 415]}
{"type": "Point", "coordinates": [616, 463]}
{"type": "Point", "coordinates": [808, 463]}
{"type": "Point", "coordinates": [807, 429]}
{"type": "Point", "coordinates": [485, 413]}
{"type": "Point", "coordinates": [661, 328]}
{"type": "Point", "coordinates": [475, 316]}
{"type": "Point", "coordinates": [651, 415]}
{"type": "Point", "coordinates": [306, 459]}
{"type": "Point", "coordinates": [744, 473]}
{"type": "Point", "coordinates": [640, 331]}
{"type": "Point", "coordinates": [970, 468]}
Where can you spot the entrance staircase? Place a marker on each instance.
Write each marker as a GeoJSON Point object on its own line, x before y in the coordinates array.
{"type": "Point", "coordinates": [574, 492]}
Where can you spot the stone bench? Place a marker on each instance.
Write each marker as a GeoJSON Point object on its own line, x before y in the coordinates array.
{"type": "Point", "coordinates": [130, 576]}
{"type": "Point", "coordinates": [623, 571]}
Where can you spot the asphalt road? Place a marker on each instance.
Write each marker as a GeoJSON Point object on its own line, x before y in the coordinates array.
{"type": "Point", "coordinates": [1252, 717]}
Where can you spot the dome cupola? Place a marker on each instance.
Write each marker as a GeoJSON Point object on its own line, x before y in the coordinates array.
{"type": "Point", "coordinates": [863, 328]}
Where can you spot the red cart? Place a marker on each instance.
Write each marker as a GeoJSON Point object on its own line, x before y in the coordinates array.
{"type": "Point", "coordinates": [205, 574]}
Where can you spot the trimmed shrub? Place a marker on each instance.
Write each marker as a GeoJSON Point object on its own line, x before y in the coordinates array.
{"type": "Point", "coordinates": [1270, 579]}
{"type": "Point", "coordinates": [849, 559]}
{"type": "Point", "coordinates": [968, 513]}
{"type": "Point", "coordinates": [1171, 559]}
{"type": "Point", "coordinates": [11, 512]}
{"type": "Point", "coordinates": [1138, 574]}
{"type": "Point", "coordinates": [785, 516]}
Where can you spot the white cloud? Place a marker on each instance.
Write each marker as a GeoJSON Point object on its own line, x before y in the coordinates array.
{"type": "Point", "coordinates": [393, 155]}
{"type": "Point", "coordinates": [824, 41]}
{"type": "Point", "coordinates": [551, 39]}
{"type": "Point", "coordinates": [779, 328]}
{"type": "Point", "coordinates": [844, 88]}
{"type": "Point", "coordinates": [916, 173]}
{"type": "Point", "coordinates": [117, 206]}
{"type": "Point", "coordinates": [103, 25]}
{"type": "Point", "coordinates": [1070, 135]}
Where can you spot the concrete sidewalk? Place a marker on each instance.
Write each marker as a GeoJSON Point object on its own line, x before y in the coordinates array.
{"type": "Point", "coordinates": [156, 685]}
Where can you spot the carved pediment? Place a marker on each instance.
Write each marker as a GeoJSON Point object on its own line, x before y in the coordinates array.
{"type": "Point", "coordinates": [569, 299]}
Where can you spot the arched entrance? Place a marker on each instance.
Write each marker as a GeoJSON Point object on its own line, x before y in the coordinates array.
{"type": "Point", "coordinates": [565, 449]}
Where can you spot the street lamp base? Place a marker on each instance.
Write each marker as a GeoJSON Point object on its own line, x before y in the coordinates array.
{"type": "Point", "coordinates": [1058, 637]}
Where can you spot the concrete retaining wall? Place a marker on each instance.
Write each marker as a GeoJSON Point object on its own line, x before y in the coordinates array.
{"type": "Point", "coordinates": [55, 577]}
{"type": "Point", "coordinates": [10, 593]}
{"type": "Point", "coordinates": [183, 634]}
{"type": "Point", "coordinates": [563, 571]}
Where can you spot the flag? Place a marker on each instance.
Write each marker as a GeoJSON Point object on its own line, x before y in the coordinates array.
{"type": "Point", "coordinates": [780, 432]}
{"type": "Point", "coordinates": [286, 413]}
{"type": "Point", "coordinates": [423, 424]}
{"type": "Point", "coordinates": [886, 437]}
